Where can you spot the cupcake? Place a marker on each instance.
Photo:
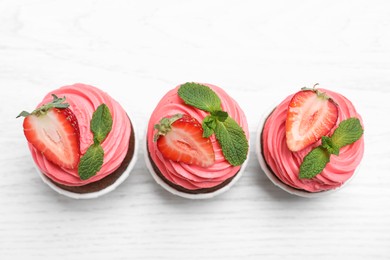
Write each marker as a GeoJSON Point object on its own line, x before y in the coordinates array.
{"type": "Point", "coordinates": [81, 140]}
{"type": "Point", "coordinates": [197, 141]}
{"type": "Point", "coordinates": [311, 143]}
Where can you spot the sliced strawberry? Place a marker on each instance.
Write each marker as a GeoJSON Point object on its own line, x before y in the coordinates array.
{"type": "Point", "coordinates": [180, 139]}
{"type": "Point", "coordinates": [311, 115]}
{"type": "Point", "coordinates": [55, 133]}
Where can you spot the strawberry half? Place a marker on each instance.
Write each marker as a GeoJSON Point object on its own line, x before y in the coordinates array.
{"type": "Point", "coordinates": [180, 139]}
{"type": "Point", "coordinates": [53, 130]}
{"type": "Point", "coordinates": [311, 115]}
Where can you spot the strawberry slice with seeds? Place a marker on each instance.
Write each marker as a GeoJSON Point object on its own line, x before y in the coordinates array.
{"type": "Point", "coordinates": [180, 139]}
{"type": "Point", "coordinates": [53, 130]}
{"type": "Point", "coordinates": [311, 115]}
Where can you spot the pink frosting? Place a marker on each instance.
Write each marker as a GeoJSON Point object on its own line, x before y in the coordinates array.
{"type": "Point", "coordinates": [193, 177]}
{"type": "Point", "coordinates": [285, 164]}
{"type": "Point", "coordinates": [83, 101]}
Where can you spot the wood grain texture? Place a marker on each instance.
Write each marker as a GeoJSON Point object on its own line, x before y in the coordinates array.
{"type": "Point", "coordinates": [259, 52]}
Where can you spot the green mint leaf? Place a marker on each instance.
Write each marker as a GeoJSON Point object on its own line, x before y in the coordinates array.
{"type": "Point", "coordinates": [199, 96]}
{"type": "Point", "coordinates": [314, 162]}
{"type": "Point", "coordinates": [220, 115]}
{"type": "Point", "coordinates": [101, 123]}
{"type": "Point", "coordinates": [91, 162]}
{"type": "Point", "coordinates": [348, 132]}
{"type": "Point", "coordinates": [210, 121]}
{"type": "Point", "coordinates": [330, 146]}
{"type": "Point", "coordinates": [209, 124]}
{"type": "Point", "coordinates": [233, 141]}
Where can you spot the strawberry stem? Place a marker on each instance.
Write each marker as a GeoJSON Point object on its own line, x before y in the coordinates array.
{"type": "Point", "coordinates": [23, 114]}
{"type": "Point", "coordinates": [320, 94]}
{"type": "Point", "coordinates": [164, 126]}
{"type": "Point", "coordinates": [42, 110]}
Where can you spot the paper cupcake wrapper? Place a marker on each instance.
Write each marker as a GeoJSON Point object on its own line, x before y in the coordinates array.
{"type": "Point", "coordinates": [172, 190]}
{"type": "Point", "coordinates": [96, 194]}
{"type": "Point", "coordinates": [274, 179]}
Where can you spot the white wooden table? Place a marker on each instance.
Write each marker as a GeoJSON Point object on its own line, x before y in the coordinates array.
{"type": "Point", "coordinates": [259, 52]}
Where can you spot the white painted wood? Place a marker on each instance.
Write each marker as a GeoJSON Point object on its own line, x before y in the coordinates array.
{"type": "Point", "coordinates": [259, 52]}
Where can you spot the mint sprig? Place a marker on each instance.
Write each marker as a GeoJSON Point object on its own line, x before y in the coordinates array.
{"type": "Point", "coordinates": [101, 124]}
{"type": "Point", "coordinates": [229, 134]}
{"type": "Point", "coordinates": [348, 132]}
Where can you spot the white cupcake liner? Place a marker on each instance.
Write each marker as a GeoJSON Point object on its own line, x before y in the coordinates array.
{"type": "Point", "coordinates": [172, 190]}
{"type": "Point", "coordinates": [274, 179]}
{"type": "Point", "coordinates": [96, 194]}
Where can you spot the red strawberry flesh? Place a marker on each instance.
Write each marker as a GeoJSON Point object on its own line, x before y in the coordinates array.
{"type": "Point", "coordinates": [56, 135]}
{"type": "Point", "coordinates": [183, 142]}
{"type": "Point", "coordinates": [311, 115]}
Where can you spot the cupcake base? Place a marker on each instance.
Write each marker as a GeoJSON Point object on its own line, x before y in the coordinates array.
{"type": "Point", "coordinates": [103, 186]}
{"type": "Point", "coordinates": [185, 193]}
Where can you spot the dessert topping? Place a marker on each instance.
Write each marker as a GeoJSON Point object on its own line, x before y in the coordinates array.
{"type": "Point", "coordinates": [228, 132]}
{"type": "Point", "coordinates": [311, 115]}
{"type": "Point", "coordinates": [180, 138]}
{"type": "Point", "coordinates": [92, 161]}
{"type": "Point", "coordinates": [348, 132]}
{"type": "Point", "coordinates": [53, 130]}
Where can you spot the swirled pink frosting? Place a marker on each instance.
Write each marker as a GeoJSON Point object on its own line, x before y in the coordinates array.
{"type": "Point", "coordinates": [193, 177]}
{"type": "Point", "coordinates": [285, 164]}
{"type": "Point", "coordinates": [83, 101]}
